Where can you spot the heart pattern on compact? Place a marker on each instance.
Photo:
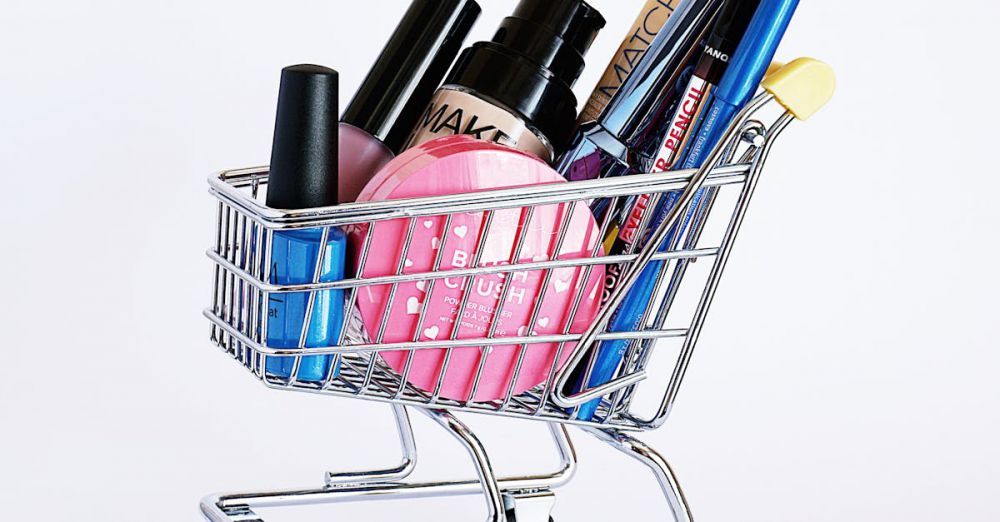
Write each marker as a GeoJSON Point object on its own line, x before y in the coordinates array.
{"type": "Point", "coordinates": [432, 332]}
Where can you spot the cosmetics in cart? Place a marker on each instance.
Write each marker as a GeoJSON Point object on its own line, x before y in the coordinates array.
{"type": "Point", "coordinates": [647, 25]}
{"type": "Point", "coordinates": [379, 119]}
{"type": "Point", "coordinates": [749, 63]}
{"type": "Point", "coordinates": [603, 148]}
{"type": "Point", "coordinates": [516, 89]}
{"type": "Point", "coordinates": [303, 174]}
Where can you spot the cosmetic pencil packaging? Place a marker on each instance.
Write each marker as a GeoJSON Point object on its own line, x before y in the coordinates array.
{"type": "Point", "coordinates": [743, 74]}
{"type": "Point", "coordinates": [727, 30]}
{"type": "Point", "coordinates": [379, 119]}
{"type": "Point", "coordinates": [517, 89]}
{"type": "Point", "coordinates": [303, 174]}
{"type": "Point", "coordinates": [664, 153]}
{"type": "Point", "coordinates": [647, 25]}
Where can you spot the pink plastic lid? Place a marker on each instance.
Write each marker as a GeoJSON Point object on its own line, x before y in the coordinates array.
{"type": "Point", "coordinates": [460, 164]}
{"type": "Point", "coordinates": [413, 159]}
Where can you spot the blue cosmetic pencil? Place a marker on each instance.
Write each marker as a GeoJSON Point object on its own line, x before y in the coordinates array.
{"type": "Point", "coordinates": [303, 174]}
{"type": "Point", "coordinates": [738, 84]}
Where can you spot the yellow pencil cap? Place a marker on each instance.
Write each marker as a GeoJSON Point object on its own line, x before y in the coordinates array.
{"type": "Point", "coordinates": [803, 86]}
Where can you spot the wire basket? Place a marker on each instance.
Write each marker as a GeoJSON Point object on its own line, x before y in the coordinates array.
{"type": "Point", "coordinates": [714, 198]}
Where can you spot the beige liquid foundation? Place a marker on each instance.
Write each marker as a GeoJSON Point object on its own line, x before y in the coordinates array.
{"type": "Point", "coordinates": [455, 110]}
{"type": "Point", "coordinates": [517, 88]}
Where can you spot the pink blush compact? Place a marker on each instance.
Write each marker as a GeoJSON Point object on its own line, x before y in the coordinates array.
{"type": "Point", "coordinates": [473, 307]}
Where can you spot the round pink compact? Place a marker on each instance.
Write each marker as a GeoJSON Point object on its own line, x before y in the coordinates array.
{"type": "Point", "coordinates": [473, 307]}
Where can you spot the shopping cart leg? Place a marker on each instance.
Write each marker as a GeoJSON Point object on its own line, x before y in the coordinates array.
{"type": "Point", "coordinates": [642, 452]}
{"type": "Point", "coordinates": [488, 479]}
{"type": "Point", "coordinates": [400, 472]}
{"type": "Point", "coordinates": [524, 498]}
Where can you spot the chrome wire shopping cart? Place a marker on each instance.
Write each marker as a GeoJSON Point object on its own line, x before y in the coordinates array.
{"type": "Point", "coordinates": [715, 198]}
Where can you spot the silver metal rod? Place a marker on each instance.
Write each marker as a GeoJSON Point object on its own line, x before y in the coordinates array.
{"type": "Point", "coordinates": [454, 273]}
{"type": "Point", "coordinates": [425, 304]}
{"type": "Point", "coordinates": [266, 296]}
{"type": "Point", "coordinates": [484, 230]}
{"type": "Point", "coordinates": [484, 469]}
{"type": "Point", "coordinates": [409, 461]}
{"type": "Point", "coordinates": [390, 300]}
{"type": "Point", "coordinates": [753, 132]}
{"type": "Point", "coordinates": [469, 202]}
{"type": "Point", "coordinates": [515, 256]}
{"type": "Point", "coordinates": [543, 292]}
{"type": "Point", "coordinates": [214, 507]}
{"type": "Point", "coordinates": [431, 345]}
{"type": "Point", "coordinates": [216, 297]}
{"type": "Point", "coordinates": [310, 303]}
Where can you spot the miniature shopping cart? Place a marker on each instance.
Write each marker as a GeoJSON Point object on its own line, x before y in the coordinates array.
{"type": "Point", "coordinates": [714, 198]}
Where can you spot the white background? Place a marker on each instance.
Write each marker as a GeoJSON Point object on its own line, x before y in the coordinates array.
{"type": "Point", "coordinates": [851, 377]}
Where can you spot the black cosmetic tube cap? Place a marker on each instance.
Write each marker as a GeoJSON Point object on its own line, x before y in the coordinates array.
{"type": "Point", "coordinates": [303, 170]}
{"type": "Point", "coordinates": [555, 34]}
{"type": "Point", "coordinates": [574, 21]}
{"type": "Point", "coordinates": [410, 68]}
{"type": "Point", "coordinates": [727, 31]}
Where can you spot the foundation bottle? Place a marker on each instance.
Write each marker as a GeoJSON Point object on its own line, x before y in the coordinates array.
{"type": "Point", "coordinates": [516, 89]}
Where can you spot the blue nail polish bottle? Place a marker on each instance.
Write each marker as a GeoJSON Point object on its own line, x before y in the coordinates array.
{"type": "Point", "coordinates": [293, 259]}
{"type": "Point", "coordinates": [303, 174]}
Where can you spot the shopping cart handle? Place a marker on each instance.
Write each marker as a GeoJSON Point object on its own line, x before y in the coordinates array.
{"type": "Point", "coordinates": [576, 399]}
{"type": "Point", "coordinates": [802, 86]}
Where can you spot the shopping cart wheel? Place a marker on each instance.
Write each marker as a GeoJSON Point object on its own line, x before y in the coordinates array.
{"type": "Point", "coordinates": [535, 506]}
{"type": "Point", "coordinates": [513, 518]}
